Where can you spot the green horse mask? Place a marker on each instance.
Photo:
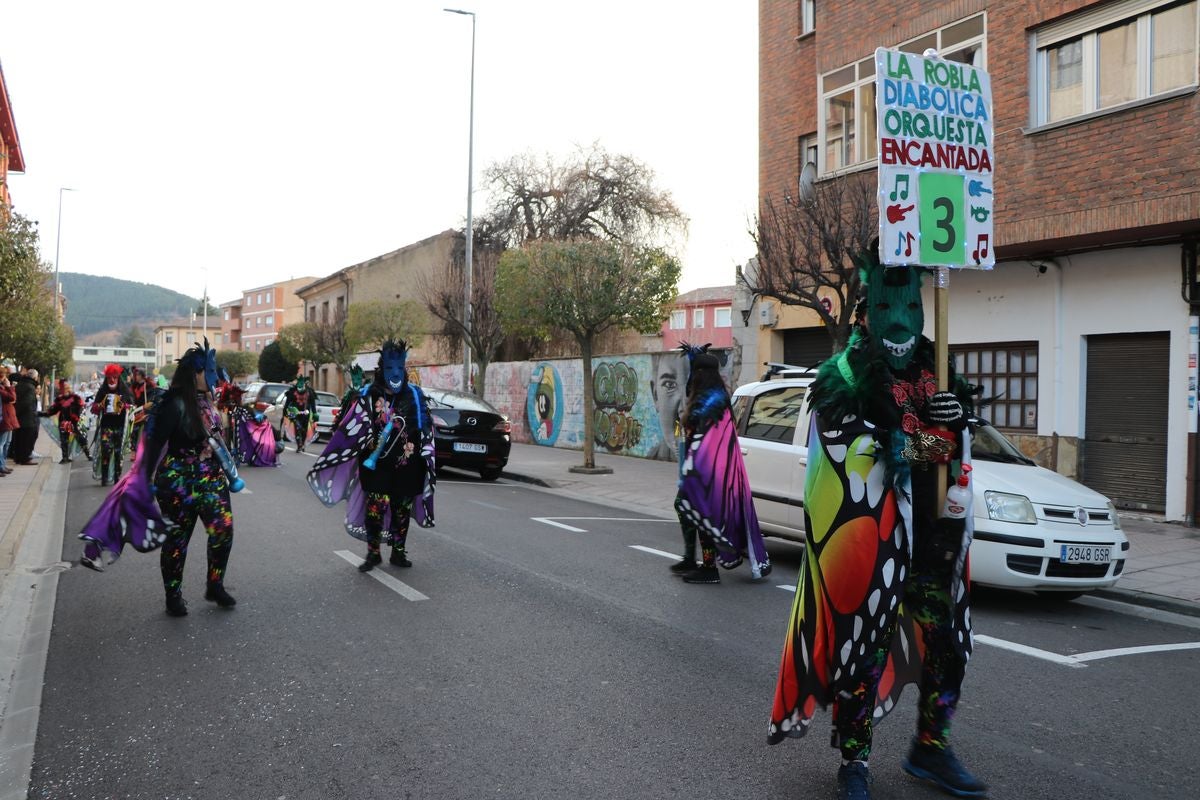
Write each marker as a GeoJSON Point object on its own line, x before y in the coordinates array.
{"type": "Point", "coordinates": [895, 314]}
{"type": "Point", "coordinates": [356, 376]}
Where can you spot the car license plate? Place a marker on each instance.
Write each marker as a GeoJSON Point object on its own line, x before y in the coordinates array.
{"type": "Point", "coordinates": [469, 447]}
{"type": "Point", "coordinates": [1085, 554]}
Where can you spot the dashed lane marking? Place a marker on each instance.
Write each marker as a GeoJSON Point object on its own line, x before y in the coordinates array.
{"type": "Point", "coordinates": [487, 505]}
{"type": "Point", "coordinates": [652, 551]}
{"type": "Point", "coordinates": [572, 528]}
{"type": "Point", "coordinates": [399, 587]}
{"type": "Point", "coordinates": [1096, 655]}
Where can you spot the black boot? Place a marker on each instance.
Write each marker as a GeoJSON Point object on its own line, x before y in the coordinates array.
{"type": "Point", "coordinates": [702, 574]}
{"type": "Point", "coordinates": [942, 767]}
{"type": "Point", "coordinates": [217, 594]}
{"type": "Point", "coordinates": [854, 782]}
{"type": "Point", "coordinates": [398, 558]}
{"type": "Point", "coordinates": [176, 606]}
{"type": "Point", "coordinates": [684, 566]}
{"type": "Point", "coordinates": [372, 560]}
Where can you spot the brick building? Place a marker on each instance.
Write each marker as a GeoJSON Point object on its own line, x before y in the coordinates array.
{"type": "Point", "coordinates": [700, 316]}
{"type": "Point", "coordinates": [1080, 330]}
{"type": "Point", "coordinates": [263, 311]}
{"type": "Point", "coordinates": [11, 159]}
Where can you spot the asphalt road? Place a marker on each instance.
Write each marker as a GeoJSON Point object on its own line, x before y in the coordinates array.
{"type": "Point", "coordinates": [542, 662]}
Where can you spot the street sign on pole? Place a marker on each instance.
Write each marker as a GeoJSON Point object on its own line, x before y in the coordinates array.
{"type": "Point", "coordinates": [936, 161]}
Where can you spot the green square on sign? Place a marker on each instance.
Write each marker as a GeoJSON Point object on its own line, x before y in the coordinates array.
{"type": "Point", "coordinates": [943, 219]}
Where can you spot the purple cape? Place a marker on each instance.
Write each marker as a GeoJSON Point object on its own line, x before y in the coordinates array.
{"type": "Point", "coordinates": [335, 475]}
{"type": "Point", "coordinates": [128, 515]}
{"type": "Point", "coordinates": [714, 495]}
{"type": "Point", "coordinates": [256, 443]}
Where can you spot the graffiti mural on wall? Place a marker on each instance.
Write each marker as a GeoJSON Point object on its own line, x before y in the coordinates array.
{"type": "Point", "coordinates": [638, 400]}
{"type": "Point", "coordinates": [614, 391]}
{"type": "Point", "coordinates": [544, 413]}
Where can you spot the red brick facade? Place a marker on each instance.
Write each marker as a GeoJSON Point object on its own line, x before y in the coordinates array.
{"type": "Point", "coordinates": [1115, 178]}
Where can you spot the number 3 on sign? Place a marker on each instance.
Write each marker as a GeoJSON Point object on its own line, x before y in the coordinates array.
{"type": "Point", "coordinates": [943, 221]}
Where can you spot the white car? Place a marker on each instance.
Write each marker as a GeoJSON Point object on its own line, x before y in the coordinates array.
{"type": "Point", "coordinates": [1034, 529]}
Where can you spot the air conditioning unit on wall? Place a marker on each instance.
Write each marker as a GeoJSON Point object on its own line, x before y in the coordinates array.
{"type": "Point", "coordinates": [766, 315]}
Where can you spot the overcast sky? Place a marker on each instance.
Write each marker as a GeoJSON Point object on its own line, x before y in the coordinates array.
{"type": "Point", "coordinates": [260, 140]}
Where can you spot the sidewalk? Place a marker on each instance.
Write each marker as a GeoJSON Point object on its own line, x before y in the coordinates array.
{"type": "Point", "coordinates": [1162, 570]}
{"type": "Point", "coordinates": [21, 494]}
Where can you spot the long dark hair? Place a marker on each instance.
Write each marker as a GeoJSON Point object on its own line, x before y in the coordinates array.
{"type": "Point", "coordinates": [183, 385]}
{"type": "Point", "coordinates": [705, 385]}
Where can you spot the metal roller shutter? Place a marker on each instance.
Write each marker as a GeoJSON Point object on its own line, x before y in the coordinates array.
{"type": "Point", "coordinates": [806, 347]}
{"type": "Point", "coordinates": [1125, 442]}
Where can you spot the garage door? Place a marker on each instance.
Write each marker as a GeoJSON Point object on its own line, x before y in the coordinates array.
{"type": "Point", "coordinates": [806, 347]}
{"type": "Point", "coordinates": [1125, 439]}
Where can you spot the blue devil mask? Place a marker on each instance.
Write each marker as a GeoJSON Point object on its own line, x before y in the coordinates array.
{"type": "Point", "coordinates": [393, 358]}
{"type": "Point", "coordinates": [202, 359]}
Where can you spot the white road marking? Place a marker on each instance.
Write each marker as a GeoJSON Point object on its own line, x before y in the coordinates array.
{"type": "Point", "coordinates": [1132, 651]}
{"type": "Point", "coordinates": [652, 551]}
{"type": "Point", "coordinates": [549, 521]}
{"type": "Point", "coordinates": [487, 505]}
{"type": "Point", "coordinates": [787, 587]}
{"type": "Point", "coordinates": [1024, 649]}
{"type": "Point", "coordinates": [399, 587]}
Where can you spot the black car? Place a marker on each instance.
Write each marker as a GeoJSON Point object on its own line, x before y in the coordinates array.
{"type": "Point", "coordinates": [469, 433]}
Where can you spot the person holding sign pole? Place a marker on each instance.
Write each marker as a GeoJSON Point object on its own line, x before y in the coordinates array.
{"type": "Point", "coordinates": [882, 600]}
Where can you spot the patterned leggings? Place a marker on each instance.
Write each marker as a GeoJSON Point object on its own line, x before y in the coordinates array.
{"type": "Point", "coordinates": [110, 450]}
{"type": "Point", "coordinates": [708, 551]}
{"type": "Point", "coordinates": [300, 423]}
{"type": "Point", "coordinates": [188, 488]}
{"type": "Point", "coordinates": [378, 504]}
{"type": "Point", "coordinates": [66, 437]}
{"type": "Point", "coordinates": [927, 600]}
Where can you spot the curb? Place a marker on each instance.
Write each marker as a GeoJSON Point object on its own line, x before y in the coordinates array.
{"type": "Point", "coordinates": [1149, 600]}
{"type": "Point", "coordinates": [517, 476]}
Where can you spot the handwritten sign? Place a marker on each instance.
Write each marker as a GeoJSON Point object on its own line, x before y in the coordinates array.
{"type": "Point", "coordinates": [936, 162]}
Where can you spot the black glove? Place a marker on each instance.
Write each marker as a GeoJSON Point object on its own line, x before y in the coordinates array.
{"type": "Point", "coordinates": [944, 408]}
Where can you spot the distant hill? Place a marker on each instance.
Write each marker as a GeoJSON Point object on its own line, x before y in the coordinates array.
{"type": "Point", "coordinates": [100, 308]}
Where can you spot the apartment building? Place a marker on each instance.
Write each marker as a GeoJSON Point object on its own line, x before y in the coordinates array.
{"type": "Point", "coordinates": [701, 316]}
{"type": "Point", "coordinates": [11, 158]}
{"type": "Point", "coordinates": [1081, 331]}
{"type": "Point", "coordinates": [172, 340]}
{"type": "Point", "coordinates": [264, 311]}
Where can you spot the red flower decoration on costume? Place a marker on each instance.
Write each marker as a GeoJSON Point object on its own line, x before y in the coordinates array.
{"type": "Point", "coordinates": [900, 393]}
{"type": "Point", "coordinates": [930, 388]}
{"type": "Point", "coordinates": [909, 423]}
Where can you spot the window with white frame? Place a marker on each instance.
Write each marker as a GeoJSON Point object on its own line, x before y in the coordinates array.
{"type": "Point", "coordinates": [808, 16]}
{"type": "Point", "coordinates": [269, 321]}
{"type": "Point", "coordinates": [846, 115]}
{"type": "Point", "coordinates": [170, 337]}
{"type": "Point", "coordinates": [268, 297]}
{"type": "Point", "coordinates": [697, 317]}
{"type": "Point", "coordinates": [1119, 53]}
{"type": "Point", "coordinates": [227, 313]}
{"type": "Point", "coordinates": [678, 320]}
{"type": "Point", "coordinates": [722, 317]}
{"type": "Point", "coordinates": [258, 298]}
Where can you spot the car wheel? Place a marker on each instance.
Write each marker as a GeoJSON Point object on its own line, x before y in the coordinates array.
{"type": "Point", "coordinates": [490, 473]}
{"type": "Point", "coordinates": [1060, 597]}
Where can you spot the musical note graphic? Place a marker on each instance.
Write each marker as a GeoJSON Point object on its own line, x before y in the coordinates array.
{"type": "Point", "coordinates": [905, 241]}
{"type": "Point", "coordinates": [900, 179]}
{"type": "Point", "coordinates": [981, 248]}
{"type": "Point", "coordinates": [975, 188]}
{"type": "Point", "coordinates": [897, 213]}
{"type": "Point", "coordinates": [980, 213]}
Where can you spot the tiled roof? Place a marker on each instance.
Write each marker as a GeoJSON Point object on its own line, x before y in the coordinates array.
{"type": "Point", "coordinates": [709, 294]}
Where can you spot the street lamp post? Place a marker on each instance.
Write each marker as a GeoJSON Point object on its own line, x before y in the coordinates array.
{"type": "Point", "coordinates": [57, 246]}
{"type": "Point", "coordinates": [469, 256]}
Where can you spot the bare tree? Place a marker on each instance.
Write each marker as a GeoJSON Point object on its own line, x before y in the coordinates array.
{"type": "Point", "coordinates": [807, 249]}
{"type": "Point", "coordinates": [318, 342]}
{"type": "Point", "coordinates": [444, 294]}
{"type": "Point", "coordinates": [592, 195]}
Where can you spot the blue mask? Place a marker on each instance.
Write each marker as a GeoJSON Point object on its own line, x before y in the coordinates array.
{"type": "Point", "coordinates": [210, 369]}
{"type": "Point", "coordinates": [392, 365]}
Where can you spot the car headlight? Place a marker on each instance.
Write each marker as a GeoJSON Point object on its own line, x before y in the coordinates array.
{"type": "Point", "coordinates": [1009, 508]}
{"type": "Point", "coordinates": [1112, 515]}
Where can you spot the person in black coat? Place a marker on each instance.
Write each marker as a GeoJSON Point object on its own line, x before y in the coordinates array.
{"type": "Point", "coordinates": [25, 437]}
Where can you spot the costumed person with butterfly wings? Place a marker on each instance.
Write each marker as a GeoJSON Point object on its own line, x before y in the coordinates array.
{"type": "Point", "coordinates": [183, 464]}
{"type": "Point", "coordinates": [882, 598]}
{"type": "Point", "coordinates": [713, 501]}
{"type": "Point", "coordinates": [380, 458]}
